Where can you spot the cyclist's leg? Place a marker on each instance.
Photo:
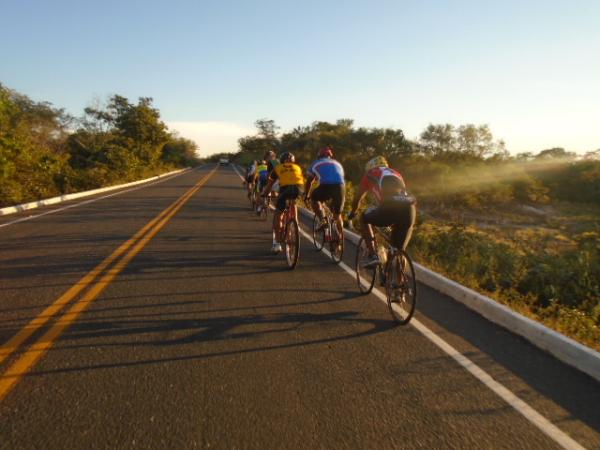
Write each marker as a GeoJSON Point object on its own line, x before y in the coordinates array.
{"type": "Point", "coordinates": [249, 184]}
{"type": "Point", "coordinates": [380, 216]}
{"type": "Point", "coordinates": [403, 226]}
{"type": "Point", "coordinates": [316, 207]}
{"type": "Point", "coordinates": [366, 232]}
{"type": "Point", "coordinates": [338, 198]}
{"type": "Point", "coordinates": [259, 200]}
{"type": "Point", "coordinates": [284, 194]}
{"type": "Point", "coordinates": [316, 199]}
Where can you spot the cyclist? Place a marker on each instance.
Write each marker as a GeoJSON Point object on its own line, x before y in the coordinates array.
{"type": "Point", "coordinates": [329, 176]}
{"type": "Point", "coordinates": [249, 177]}
{"type": "Point", "coordinates": [291, 182]}
{"type": "Point", "coordinates": [271, 159]}
{"type": "Point", "coordinates": [393, 206]}
{"type": "Point", "coordinates": [260, 180]}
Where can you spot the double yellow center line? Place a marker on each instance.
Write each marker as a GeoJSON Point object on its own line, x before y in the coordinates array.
{"type": "Point", "coordinates": [106, 272]}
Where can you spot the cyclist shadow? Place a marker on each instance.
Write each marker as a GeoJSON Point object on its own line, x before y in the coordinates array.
{"type": "Point", "coordinates": [223, 334]}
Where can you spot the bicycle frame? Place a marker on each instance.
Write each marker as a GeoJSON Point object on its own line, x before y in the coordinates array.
{"type": "Point", "coordinates": [290, 212]}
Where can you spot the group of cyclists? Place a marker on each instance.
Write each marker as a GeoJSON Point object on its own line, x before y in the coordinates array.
{"type": "Point", "coordinates": [391, 204]}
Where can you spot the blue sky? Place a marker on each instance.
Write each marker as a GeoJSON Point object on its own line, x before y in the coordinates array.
{"type": "Point", "coordinates": [529, 69]}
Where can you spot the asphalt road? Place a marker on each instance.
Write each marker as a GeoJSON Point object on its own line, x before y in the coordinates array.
{"type": "Point", "coordinates": [196, 336]}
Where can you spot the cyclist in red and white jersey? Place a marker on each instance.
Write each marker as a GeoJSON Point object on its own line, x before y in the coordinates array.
{"type": "Point", "coordinates": [393, 206]}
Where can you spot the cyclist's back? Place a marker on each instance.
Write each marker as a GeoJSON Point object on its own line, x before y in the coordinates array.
{"type": "Point", "coordinates": [383, 183]}
{"type": "Point", "coordinates": [262, 174]}
{"type": "Point", "coordinates": [291, 181]}
{"type": "Point", "coordinates": [329, 177]}
{"type": "Point", "coordinates": [327, 171]}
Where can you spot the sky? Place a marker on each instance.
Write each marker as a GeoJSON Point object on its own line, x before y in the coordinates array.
{"type": "Point", "coordinates": [528, 69]}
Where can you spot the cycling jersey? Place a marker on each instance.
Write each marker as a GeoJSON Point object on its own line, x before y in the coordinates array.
{"type": "Point", "coordinates": [382, 182]}
{"type": "Point", "coordinates": [263, 172]}
{"type": "Point", "coordinates": [288, 174]}
{"type": "Point", "coordinates": [251, 169]}
{"type": "Point", "coordinates": [326, 171]}
{"type": "Point", "coordinates": [271, 164]}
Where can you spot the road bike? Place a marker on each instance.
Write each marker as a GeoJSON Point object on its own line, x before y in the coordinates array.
{"type": "Point", "coordinates": [291, 234]}
{"type": "Point", "coordinates": [396, 272]}
{"type": "Point", "coordinates": [264, 205]}
{"type": "Point", "coordinates": [327, 232]}
{"type": "Point", "coordinates": [254, 197]}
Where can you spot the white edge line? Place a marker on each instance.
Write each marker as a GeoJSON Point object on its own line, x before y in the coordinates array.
{"type": "Point", "coordinates": [499, 389]}
{"type": "Point", "coordinates": [147, 182]}
{"type": "Point", "coordinates": [63, 198]}
{"type": "Point", "coordinates": [557, 344]}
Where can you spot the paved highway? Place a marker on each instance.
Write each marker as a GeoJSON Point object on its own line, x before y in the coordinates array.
{"type": "Point", "coordinates": [157, 318]}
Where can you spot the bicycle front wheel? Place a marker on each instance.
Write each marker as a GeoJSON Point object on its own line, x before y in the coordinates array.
{"type": "Point", "coordinates": [292, 243]}
{"type": "Point", "coordinates": [365, 277]}
{"type": "Point", "coordinates": [318, 235]}
{"type": "Point", "coordinates": [401, 288]}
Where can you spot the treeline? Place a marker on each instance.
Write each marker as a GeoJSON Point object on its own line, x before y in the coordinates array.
{"type": "Point", "coordinates": [45, 152]}
{"type": "Point", "coordinates": [446, 166]}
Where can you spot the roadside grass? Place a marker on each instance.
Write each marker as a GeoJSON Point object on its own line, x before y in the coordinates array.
{"type": "Point", "coordinates": [544, 266]}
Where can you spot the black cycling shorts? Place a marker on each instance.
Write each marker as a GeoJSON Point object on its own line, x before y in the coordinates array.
{"type": "Point", "coordinates": [334, 192]}
{"type": "Point", "coordinates": [289, 192]}
{"type": "Point", "coordinates": [250, 179]}
{"type": "Point", "coordinates": [397, 214]}
{"type": "Point", "coordinates": [262, 184]}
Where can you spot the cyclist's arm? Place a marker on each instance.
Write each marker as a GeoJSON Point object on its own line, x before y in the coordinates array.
{"type": "Point", "coordinates": [356, 201]}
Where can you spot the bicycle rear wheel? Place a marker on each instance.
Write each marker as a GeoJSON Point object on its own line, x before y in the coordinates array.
{"type": "Point", "coordinates": [401, 288]}
{"type": "Point", "coordinates": [365, 277]}
{"type": "Point", "coordinates": [318, 235]}
{"type": "Point", "coordinates": [336, 244]}
{"type": "Point", "coordinates": [292, 243]}
{"type": "Point", "coordinates": [264, 212]}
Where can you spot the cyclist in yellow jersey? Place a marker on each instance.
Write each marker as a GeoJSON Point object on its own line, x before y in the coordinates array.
{"type": "Point", "coordinates": [291, 184]}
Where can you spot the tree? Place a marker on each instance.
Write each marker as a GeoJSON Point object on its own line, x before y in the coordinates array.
{"type": "Point", "coordinates": [267, 129]}
{"type": "Point", "coordinates": [555, 153]}
{"type": "Point", "coordinates": [437, 139]}
{"type": "Point", "coordinates": [32, 148]}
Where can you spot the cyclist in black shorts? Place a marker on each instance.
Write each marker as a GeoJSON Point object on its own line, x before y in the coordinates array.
{"type": "Point", "coordinates": [329, 176]}
{"type": "Point", "coordinates": [394, 206]}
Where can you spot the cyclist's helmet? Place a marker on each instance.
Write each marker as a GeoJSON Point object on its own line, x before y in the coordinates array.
{"type": "Point", "coordinates": [269, 155]}
{"type": "Point", "coordinates": [378, 161]}
{"type": "Point", "coordinates": [325, 152]}
{"type": "Point", "coordinates": [287, 157]}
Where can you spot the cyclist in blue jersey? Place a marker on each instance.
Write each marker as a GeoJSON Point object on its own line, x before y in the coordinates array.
{"type": "Point", "coordinates": [329, 176]}
{"type": "Point", "coordinates": [261, 179]}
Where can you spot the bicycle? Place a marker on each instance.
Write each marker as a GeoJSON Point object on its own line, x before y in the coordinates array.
{"type": "Point", "coordinates": [328, 232]}
{"type": "Point", "coordinates": [250, 193]}
{"type": "Point", "coordinates": [397, 275]}
{"type": "Point", "coordinates": [291, 234]}
{"type": "Point", "coordinates": [265, 205]}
